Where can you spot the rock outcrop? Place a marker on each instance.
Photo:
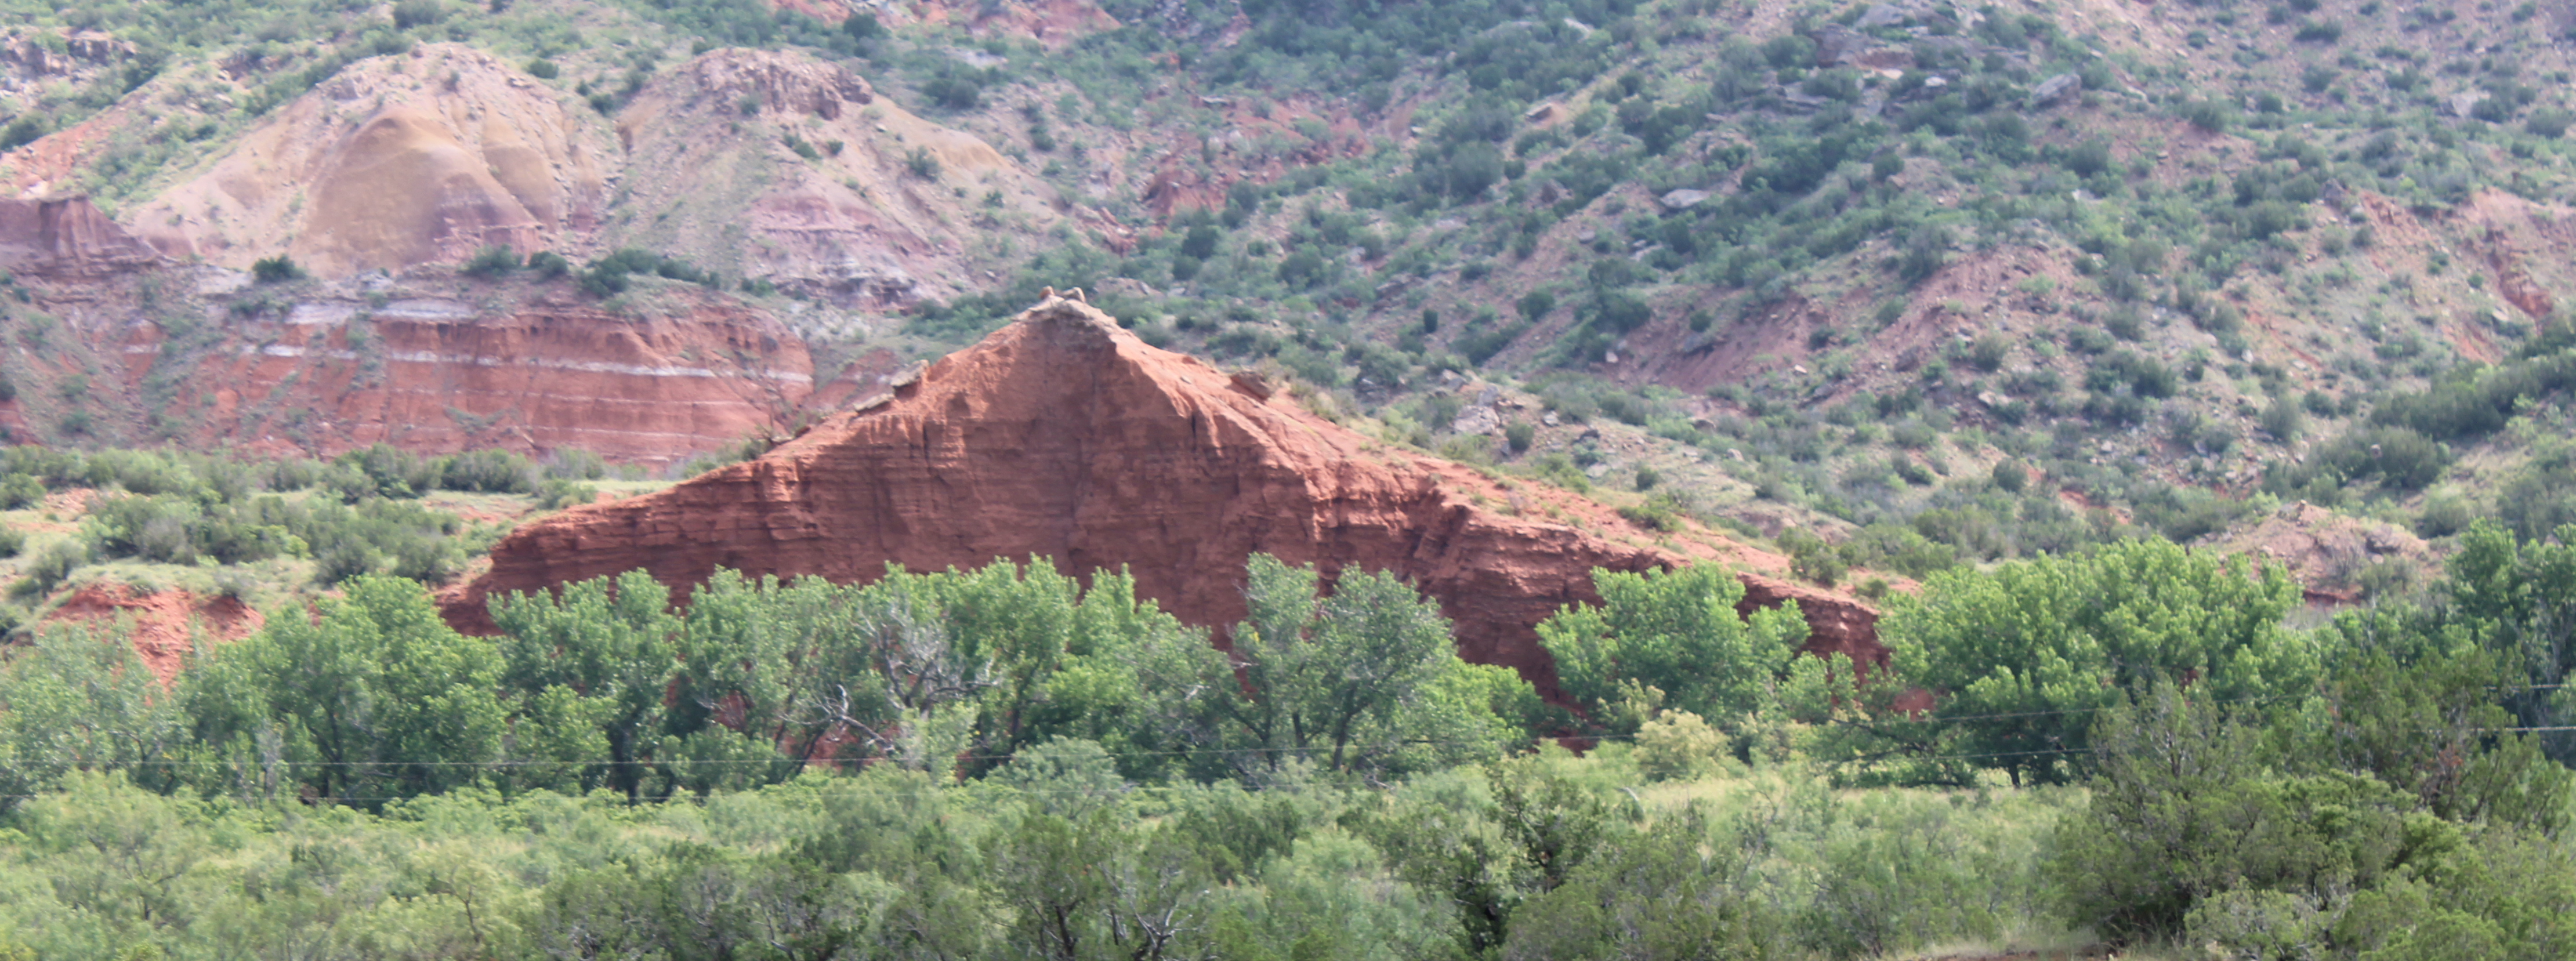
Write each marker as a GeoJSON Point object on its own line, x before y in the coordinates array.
{"type": "Point", "coordinates": [1065, 437]}
{"type": "Point", "coordinates": [437, 375]}
{"type": "Point", "coordinates": [67, 238]}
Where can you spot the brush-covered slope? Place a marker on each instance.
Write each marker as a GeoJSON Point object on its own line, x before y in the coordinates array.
{"type": "Point", "coordinates": [1066, 437]}
{"type": "Point", "coordinates": [791, 169]}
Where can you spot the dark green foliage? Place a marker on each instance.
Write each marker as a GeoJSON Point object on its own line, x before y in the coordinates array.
{"type": "Point", "coordinates": [276, 270]}
{"type": "Point", "coordinates": [548, 265]}
{"type": "Point", "coordinates": [24, 131]}
{"type": "Point", "coordinates": [1670, 640]}
{"type": "Point", "coordinates": [418, 13]}
{"type": "Point", "coordinates": [1302, 270]}
{"type": "Point", "coordinates": [2549, 122]}
{"type": "Point", "coordinates": [1200, 242]}
{"type": "Point", "coordinates": [609, 275]}
{"type": "Point", "coordinates": [492, 262]}
{"type": "Point", "coordinates": [1536, 305]}
{"type": "Point", "coordinates": [2028, 651]}
{"type": "Point", "coordinates": [2183, 811]}
{"type": "Point", "coordinates": [1925, 251]}
{"type": "Point", "coordinates": [2210, 115]}
{"type": "Point", "coordinates": [2475, 401]}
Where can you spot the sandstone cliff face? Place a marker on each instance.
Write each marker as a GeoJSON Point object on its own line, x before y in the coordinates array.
{"type": "Point", "coordinates": [436, 375]}
{"type": "Point", "coordinates": [1065, 437]}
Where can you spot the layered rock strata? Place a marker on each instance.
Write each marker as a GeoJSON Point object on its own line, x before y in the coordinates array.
{"type": "Point", "coordinates": [436, 375]}
{"type": "Point", "coordinates": [1064, 437]}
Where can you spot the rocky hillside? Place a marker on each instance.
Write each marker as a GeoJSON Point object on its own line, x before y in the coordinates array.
{"type": "Point", "coordinates": [1064, 437]}
{"type": "Point", "coordinates": [1928, 283]}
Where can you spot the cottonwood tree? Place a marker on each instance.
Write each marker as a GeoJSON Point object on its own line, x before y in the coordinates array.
{"type": "Point", "coordinates": [1671, 639]}
{"type": "Point", "coordinates": [612, 645]}
{"type": "Point", "coordinates": [372, 699]}
{"type": "Point", "coordinates": [2023, 656]}
{"type": "Point", "coordinates": [82, 700]}
{"type": "Point", "coordinates": [1351, 680]}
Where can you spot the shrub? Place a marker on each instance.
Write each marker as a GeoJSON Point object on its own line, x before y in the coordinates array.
{"type": "Point", "coordinates": [1536, 305]}
{"type": "Point", "coordinates": [922, 163]}
{"type": "Point", "coordinates": [21, 491]}
{"type": "Point", "coordinates": [25, 131]}
{"type": "Point", "coordinates": [1811, 558]}
{"type": "Point", "coordinates": [492, 261]}
{"type": "Point", "coordinates": [418, 13]}
{"type": "Point", "coordinates": [51, 566]}
{"type": "Point", "coordinates": [2549, 123]}
{"type": "Point", "coordinates": [2011, 476]}
{"type": "Point", "coordinates": [557, 494]}
{"type": "Point", "coordinates": [2210, 115]}
{"type": "Point", "coordinates": [548, 265]}
{"type": "Point", "coordinates": [276, 270]}
{"type": "Point", "coordinates": [544, 69]}
{"type": "Point", "coordinates": [573, 463]}
{"type": "Point", "coordinates": [1302, 269]}
{"type": "Point", "coordinates": [1680, 746]}
{"type": "Point", "coordinates": [487, 471]}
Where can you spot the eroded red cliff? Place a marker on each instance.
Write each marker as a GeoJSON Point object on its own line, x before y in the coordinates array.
{"type": "Point", "coordinates": [1065, 437]}
{"type": "Point", "coordinates": [438, 375]}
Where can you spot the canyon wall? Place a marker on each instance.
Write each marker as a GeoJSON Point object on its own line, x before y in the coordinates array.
{"type": "Point", "coordinates": [435, 375]}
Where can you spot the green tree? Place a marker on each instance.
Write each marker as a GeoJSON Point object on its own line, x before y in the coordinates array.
{"type": "Point", "coordinates": [601, 649]}
{"type": "Point", "coordinates": [2519, 600]}
{"type": "Point", "coordinates": [1671, 639]}
{"type": "Point", "coordinates": [2188, 807]}
{"type": "Point", "coordinates": [1096, 889]}
{"type": "Point", "coordinates": [2023, 656]}
{"type": "Point", "coordinates": [1339, 679]}
{"type": "Point", "coordinates": [118, 857]}
{"type": "Point", "coordinates": [81, 700]}
{"type": "Point", "coordinates": [374, 698]}
{"type": "Point", "coordinates": [2415, 702]}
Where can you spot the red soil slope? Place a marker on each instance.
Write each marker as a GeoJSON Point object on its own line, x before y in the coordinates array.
{"type": "Point", "coordinates": [1064, 436]}
{"type": "Point", "coordinates": [167, 624]}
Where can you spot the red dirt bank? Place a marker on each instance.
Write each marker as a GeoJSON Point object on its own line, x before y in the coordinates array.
{"type": "Point", "coordinates": [167, 624]}
{"type": "Point", "coordinates": [1064, 436]}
